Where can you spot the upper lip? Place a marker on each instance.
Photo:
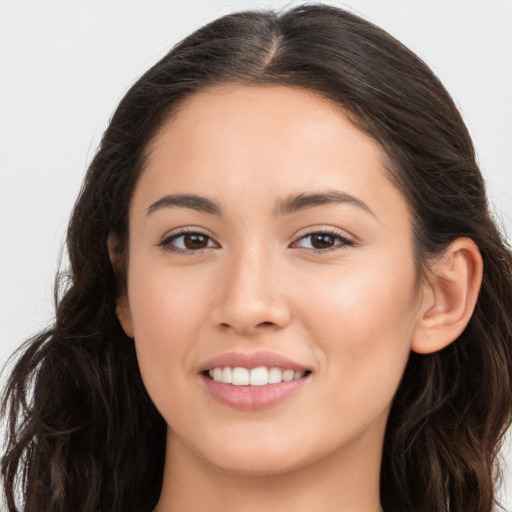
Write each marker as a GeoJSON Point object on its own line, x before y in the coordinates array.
{"type": "Point", "coordinates": [252, 360]}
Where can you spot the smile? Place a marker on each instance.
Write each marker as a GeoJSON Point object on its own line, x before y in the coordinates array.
{"type": "Point", "coordinates": [253, 381]}
{"type": "Point", "coordinates": [260, 376]}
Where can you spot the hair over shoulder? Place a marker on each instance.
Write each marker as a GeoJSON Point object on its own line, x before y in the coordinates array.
{"type": "Point", "coordinates": [83, 433]}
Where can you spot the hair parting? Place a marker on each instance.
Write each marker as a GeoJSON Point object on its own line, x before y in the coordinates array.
{"type": "Point", "coordinates": [82, 433]}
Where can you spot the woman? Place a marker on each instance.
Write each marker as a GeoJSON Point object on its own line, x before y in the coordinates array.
{"type": "Point", "coordinates": [286, 290]}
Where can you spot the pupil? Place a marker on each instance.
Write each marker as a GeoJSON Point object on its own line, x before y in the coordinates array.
{"type": "Point", "coordinates": [195, 241]}
{"type": "Point", "coordinates": [322, 241]}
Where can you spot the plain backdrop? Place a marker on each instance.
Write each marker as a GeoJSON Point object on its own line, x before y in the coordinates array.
{"type": "Point", "coordinates": [64, 66]}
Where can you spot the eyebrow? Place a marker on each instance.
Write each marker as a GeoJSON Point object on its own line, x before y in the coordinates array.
{"type": "Point", "coordinates": [311, 200]}
{"type": "Point", "coordinates": [191, 201]}
{"type": "Point", "coordinates": [290, 205]}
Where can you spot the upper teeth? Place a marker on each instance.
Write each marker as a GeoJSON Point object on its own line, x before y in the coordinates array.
{"type": "Point", "coordinates": [259, 376]}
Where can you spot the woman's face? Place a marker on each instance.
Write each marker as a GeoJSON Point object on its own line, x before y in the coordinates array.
{"type": "Point", "coordinates": [264, 234]}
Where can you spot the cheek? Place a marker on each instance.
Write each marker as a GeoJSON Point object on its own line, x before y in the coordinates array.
{"type": "Point", "coordinates": [363, 322]}
{"type": "Point", "coordinates": [371, 297]}
{"type": "Point", "coordinates": [164, 302]}
{"type": "Point", "coordinates": [167, 316]}
{"type": "Point", "coordinates": [159, 318]}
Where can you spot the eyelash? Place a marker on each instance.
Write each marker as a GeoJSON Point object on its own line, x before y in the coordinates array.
{"type": "Point", "coordinates": [166, 243]}
{"type": "Point", "coordinates": [342, 241]}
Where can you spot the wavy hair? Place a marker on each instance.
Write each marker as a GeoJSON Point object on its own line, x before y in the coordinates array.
{"type": "Point", "coordinates": [83, 433]}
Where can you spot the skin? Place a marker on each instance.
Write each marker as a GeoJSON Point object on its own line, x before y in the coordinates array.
{"type": "Point", "coordinates": [350, 313]}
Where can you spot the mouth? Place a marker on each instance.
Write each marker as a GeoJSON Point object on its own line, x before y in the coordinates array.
{"type": "Point", "coordinates": [259, 376]}
{"type": "Point", "coordinates": [254, 381]}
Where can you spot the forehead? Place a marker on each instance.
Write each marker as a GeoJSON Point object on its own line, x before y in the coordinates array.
{"type": "Point", "coordinates": [261, 141]}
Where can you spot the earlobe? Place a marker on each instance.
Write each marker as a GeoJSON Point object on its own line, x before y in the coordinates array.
{"type": "Point", "coordinates": [449, 297]}
{"type": "Point", "coordinates": [113, 251]}
{"type": "Point", "coordinates": [124, 315]}
{"type": "Point", "coordinates": [122, 305]}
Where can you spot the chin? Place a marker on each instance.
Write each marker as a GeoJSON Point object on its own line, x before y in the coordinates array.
{"type": "Point", "coordinates": [258, 457]}
{"type": "Point", "coordinates": [262, 466]}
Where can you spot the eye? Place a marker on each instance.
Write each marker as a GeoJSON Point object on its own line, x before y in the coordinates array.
{"type": "Point", "coordinates": [187, 242]}
{"type": "Point", "coordinates": [322, 241]}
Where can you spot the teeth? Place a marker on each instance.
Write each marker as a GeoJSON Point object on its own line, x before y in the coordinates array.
{"type": "Point", "coordinates": [260, 376]}
{"type": "Point", "coordinates": [240, 376]}
{"type": "Point", "coordinates": [288, 375]}
{"type": "Point", "coordinates": [227, 375]}
{"type": "Point", "coordinates": [217, 374]}
{"type": "Point", "coordinates": [275, 376]}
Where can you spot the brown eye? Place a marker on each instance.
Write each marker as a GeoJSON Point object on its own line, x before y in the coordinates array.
{"type": "Point", "coordinates": [187, 242]}
{"type": "Point", "coordinates": [195, 241]}
{"type": "Point", "coordinates": [322, 241]}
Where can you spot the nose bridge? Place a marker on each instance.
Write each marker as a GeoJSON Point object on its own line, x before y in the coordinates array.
{"type": "Point", "coordinates": [251, 272]}
{"type": "Point", "coordinates": [251, 297]}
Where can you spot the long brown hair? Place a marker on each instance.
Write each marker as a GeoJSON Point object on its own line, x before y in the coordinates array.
{"type": "Point", "coordinates": [82, 431]}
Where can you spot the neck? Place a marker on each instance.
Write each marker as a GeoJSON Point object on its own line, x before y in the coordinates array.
{"type": "Point", "coordinates": [347, 481]}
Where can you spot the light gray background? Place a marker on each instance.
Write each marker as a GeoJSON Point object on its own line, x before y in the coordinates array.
{"type": "Point", "coordinates": [65, 65]}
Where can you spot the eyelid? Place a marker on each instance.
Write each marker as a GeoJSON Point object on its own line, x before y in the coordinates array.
{"type": "Point", "coordinates": [165, 241]}
{"type": "Point", "coordinates": [322, 228]}
{"type": "Point", "coordinates": [347, 239]}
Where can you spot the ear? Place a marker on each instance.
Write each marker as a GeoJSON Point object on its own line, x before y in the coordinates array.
{"type": "Point", "coordinates": [123, 312]}
{"type": "Point", "coordinates": [449, 296]}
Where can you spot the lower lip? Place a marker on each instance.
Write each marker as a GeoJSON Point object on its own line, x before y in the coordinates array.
{"type": "Point", "coordinates": [252, 397]}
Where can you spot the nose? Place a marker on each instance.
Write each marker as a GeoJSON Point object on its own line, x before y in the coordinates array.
{"type": "Point", "coordinates": [251, 298]}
